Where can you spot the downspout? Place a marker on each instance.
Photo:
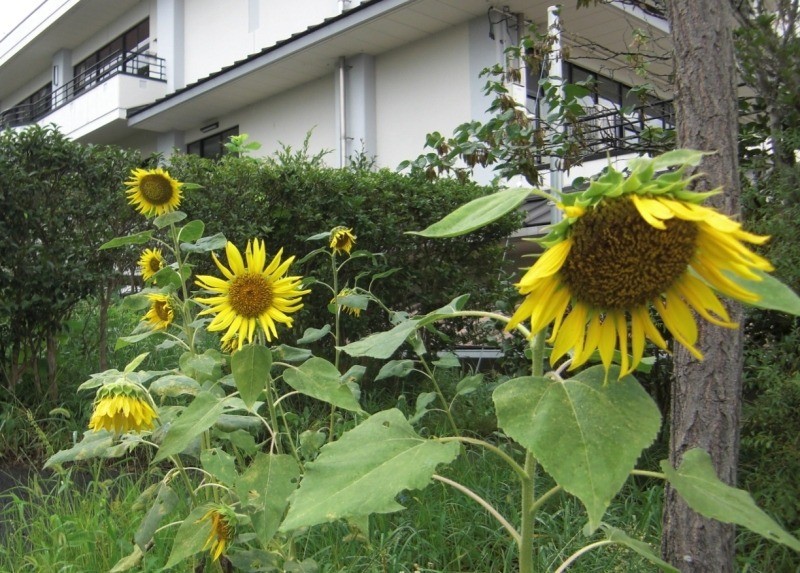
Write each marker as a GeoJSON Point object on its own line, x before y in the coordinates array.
{"type": "Point", "coordinates": [342, 116]}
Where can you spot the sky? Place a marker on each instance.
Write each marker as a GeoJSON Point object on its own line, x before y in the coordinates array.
{"type": "Point", "coordinates": [12, 12]}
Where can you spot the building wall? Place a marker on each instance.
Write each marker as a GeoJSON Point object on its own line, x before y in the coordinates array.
{"type": "Point", "coordinates": [220, 33]}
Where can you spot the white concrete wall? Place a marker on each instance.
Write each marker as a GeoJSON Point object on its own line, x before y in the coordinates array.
{"type": "Point", "coordinates": [420, 88]}
{"type": "Point", "coordinates": [104, 104]}
{"type": "Point", "coordinates": [217, 33]}
{"type": "Point", "coordinates": [286, 119]}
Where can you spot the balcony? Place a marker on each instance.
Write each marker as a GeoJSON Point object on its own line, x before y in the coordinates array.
{"type": "Point", "coordinates": [100, 95]}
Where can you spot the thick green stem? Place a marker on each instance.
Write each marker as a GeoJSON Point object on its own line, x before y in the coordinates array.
{"type": "Point", "coordinates": [527, 520]}
{"type": "Point", "coordinates": [518, 469]}
{"type": "Point", "coordinates": [336, 335]}
{"type": "Point", "coordinates": [442, 399]}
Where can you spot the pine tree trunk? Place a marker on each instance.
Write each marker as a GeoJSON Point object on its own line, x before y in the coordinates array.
{"type": "Point", "coordinates": [706, 396]}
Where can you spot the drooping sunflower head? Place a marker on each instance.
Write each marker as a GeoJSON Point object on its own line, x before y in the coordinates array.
{"type": "Point", "coordinates": [122, 407]}
{"type": "Point", "coordinates": [626, 245]}
{"type": "Point", "coordinates": [223, 529]}
{"type": "Point", "coordinates": [341, 300]}
{"type": "Point", "coordinates": [342, 240]}
{"type": "Point", "coordinates": [153, 192]}
{"type": "Point", "coordinates": [150, 263]}
{"type": "Point", "coordinates": [252, 294]}
{"type": "Point", "coordinates": [160, 315]}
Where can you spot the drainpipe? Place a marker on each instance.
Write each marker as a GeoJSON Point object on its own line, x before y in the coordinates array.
{"type": "Point", "coordinates": [342, 116]}
{"type": "Point", "coordinates": [555, 70]}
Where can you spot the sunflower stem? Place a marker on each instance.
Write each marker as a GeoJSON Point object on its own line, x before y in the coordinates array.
{"type": "Point", "coordinates": [438, 390]}
{"type": "Point", "coordinates": [187, 318]}
{"type": "Point", "coordinates": [528, 491]}
{"type": "Point", "coordinates": [337, 335]}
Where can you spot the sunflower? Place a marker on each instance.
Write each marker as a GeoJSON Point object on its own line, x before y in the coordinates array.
{"type": "Point", "coordinates": [153, 191]}
{"type": "Point", "coordinates": [122, 407]}
{"type": "Point", "coordinates": [160, 315]}
{"type": "Point", "coordinates": [351, 310]}
{"type": "Point", "coordinates": [252, 293]}
{"type": "Point", "coordinates": [342, 240]}
{"type": "Point", "coordinates": [625, 245]}
{"type": "Point", "coordinates": [151, 262]}
{"type": "Point", "coordinates": [223, 529]}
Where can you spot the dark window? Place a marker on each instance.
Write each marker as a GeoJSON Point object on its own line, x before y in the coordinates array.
{"type": "Point", "coordinates": [38, 104]}
{"type": "Point", "coordinates": [213, 146]}
{"type": "Point", "coordinates": [104, 62]}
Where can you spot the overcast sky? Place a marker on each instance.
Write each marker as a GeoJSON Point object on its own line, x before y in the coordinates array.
{"type": "Point", "coordinates": [12, 12]}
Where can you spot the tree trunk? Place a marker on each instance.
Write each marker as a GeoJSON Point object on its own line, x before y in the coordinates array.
{"type": "Point", "coordinates": [51, 352]}
{"type": "Point", "coordinates": [706, 396]}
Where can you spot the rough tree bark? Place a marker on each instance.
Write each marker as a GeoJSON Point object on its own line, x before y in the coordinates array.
{"type": "Point", "coordinates": [706, 396]}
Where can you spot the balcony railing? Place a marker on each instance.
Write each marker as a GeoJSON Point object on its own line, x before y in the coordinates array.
{"type": "Point", "coordinates": [140, 64]}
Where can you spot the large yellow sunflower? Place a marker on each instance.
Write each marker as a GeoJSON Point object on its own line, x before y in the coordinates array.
{"type": "Point", "coordinates": [153, 191]}
{"type": "Point", "coordinates": [150, 263]}
{"type": "Point", "coordinates": [122, 407]}
{"type": "Point", "coordinates": [160, 315]}
{"type": "Point", "coordinates": [628, 244]}
{"type": "Point", "coordinates": [223, 529]}
{"type": "Point", "coordinates": [252, 293]}
{"type": "Point", "coordinates": [342, 240]}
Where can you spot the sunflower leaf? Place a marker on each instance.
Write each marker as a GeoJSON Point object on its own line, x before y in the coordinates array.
{"type": "Point", "coordinates": [198, 416]}
{"type": "Point", "coordinates": [191, 536]}
{"type": "Point", "coordinates": [191, 231]}
{"type": "Point", "coordinates": [320, 379]}
{"type": "Point", "coordinates": [135, 239]}
{"type": "Point", "coordinates": [587, 434]}
{"type": "Point", "coordinates": [774, 295]}
{"type": "Point", "coordinates": [382, 457]}
{"type": "Point", "coordinates": [476, 214]}
{"type": "Point", "coordinates": [381, 344]}
{"type": "Point", "coordinates": [251, 366]}
{"type": "Point", "coordinates": [621, 538]}
{"type": "Point", "coordinates": [168, 219]}
{"type": "Point", "coordinates": [206, 244]}
{"type": "Point", "coordinates": [697, 483]}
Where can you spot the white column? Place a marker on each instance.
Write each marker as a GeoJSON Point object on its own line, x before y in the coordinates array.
{"type": "Point", "coordinates": [168, 41]}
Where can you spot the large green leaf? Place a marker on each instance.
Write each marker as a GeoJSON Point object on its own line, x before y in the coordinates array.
{"type": "Point", "coordinates": [205, 244]}
{"type": "Point", "coordinates": [191, 536]}
{"type": "Point", "coordinates": [168, 219]}
{"type": "Point", "coordinates": [135, 239]}
{"type": "Point", "coordinates": [476, 214]}
{"type": "Point", "coordinates": [395, 368]}
{"type": "Point", "coordinates": [363, 471]}
{"type": "Point", "coordinates": [264, 490]}
{"type": "Point", "coordinates": [320, 379]}
{"type": "Point", "coordinates": [586, 434]}
{"type": "Point", "coordinates": [165, 502]}
{"type": "Point", "coordinates": [697, 483]}
{"type": "Point", "coordinates": [382, 344]}
{"type": "Point", "coordinates": [191, 231]}
{"type": "Point", "coordinates": [198, 416]}
{"type": "Point", "coordinates": [219, 464]}
{"type": "Point", "coordinates": [173, 385]}
{"type": "Point", "coordinates": [774, 295]}
{"type": "Point", "coordinates": [250, 367]}
{"type": "Point", "coordinates": [100, 444]}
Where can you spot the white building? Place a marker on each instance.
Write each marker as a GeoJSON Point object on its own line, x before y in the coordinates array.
{"type": "Point", "coordinates": [370, 76]}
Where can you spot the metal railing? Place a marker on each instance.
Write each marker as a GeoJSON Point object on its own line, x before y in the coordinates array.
{"type": "Point", "coordinates": [140, 64]}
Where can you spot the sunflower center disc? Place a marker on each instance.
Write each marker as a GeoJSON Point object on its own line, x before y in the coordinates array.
{"type": "Point", "coordinates": [156, 189]}
{"type": "Point", "coordinates": [619, 261]}
{"type": "Point", "coordinates": [162, 310]}
{"type": "Point", "coordinates": [250, 295]}
{"type": "Point", "coordinates": [155, 264]}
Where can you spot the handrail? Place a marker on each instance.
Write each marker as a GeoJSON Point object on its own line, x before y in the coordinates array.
{"type": "Point", "coordinates": [139, 63]}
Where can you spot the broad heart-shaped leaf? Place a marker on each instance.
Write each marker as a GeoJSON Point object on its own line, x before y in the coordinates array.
{"type": "Point", "coordinates": [312, 334]}
{"type": "Point", "coordinates": [382, 344]}
{"type": "Point", "coordinates": [100, 444]}
{"type": "Point", "coordinates": [198, 416]}
{"type": "Point", "coordinates": [173, 385]}
{"type": "Point", "coordinates": [320, 379]}
{"type": "Point", "coordinates": [250, 367]}
{"type": "Point", "coordinates": [587, 435]}
{"type": "Point", "coordinates": [363, 471]}
{"type": "Point", "coordinates": [264, 490]}
{"type": "Point", "coordinates": [621, 538]}
{"type": "Point", "coordinates": [395, 368]}
{"type": "Point", "coordinates": [774, 295]}
{"type": "Point", "coordinates": [191, 536]}
{"type": "Point", "coordinates": [697, 483]}
{"type": "Point", "coordinates": [169, 219]}
{"type": "Point", "coordinates": [219, 464]}
{"type": "Point", "coordinates": [135, 239]}
{"type": "Point", "coordinates": [206, 244]}
{"type": "Point", "coordinates": [191, 231]}
{"type": "Point", "coordinates": [476, 214]}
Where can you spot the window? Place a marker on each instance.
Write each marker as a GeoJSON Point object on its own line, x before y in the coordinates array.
{"type": "Point", "coordinates": [38, 104]}
{"type": "Point", "coordinates": [212, 147]}
{"type": "Point", "coordinates": [102, 64]}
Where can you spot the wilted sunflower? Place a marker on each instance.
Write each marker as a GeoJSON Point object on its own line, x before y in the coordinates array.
{"type": "Point", "coordinates": [151, 262]}
{"type": "Point", "coordinates": [223, 529]}
{"type": "Point", "coordinates": [351, 310]}
{"type": "Point", "coordinates": [122, 407]}
{"type": "Point", "coordinates": [160, 315]}
{"type": "Point", "coordinates": [626, 244]}
{"type": "Point", "coordinates": [251, 294]}
{"type": "Point", "coordinates": [342, 240]}
{"type": "Point", "coordinates": [153, 191]}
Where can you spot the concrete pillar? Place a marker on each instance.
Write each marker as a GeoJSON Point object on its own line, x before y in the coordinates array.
{"type": "Point", "coordinates": [62, 74]}
{"type": "Point", "coordinates": [360, 100]}
{"type": "Point", "coordinates": [170, 141]}
{"type": "Point", "coordinates": [169, 41]}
